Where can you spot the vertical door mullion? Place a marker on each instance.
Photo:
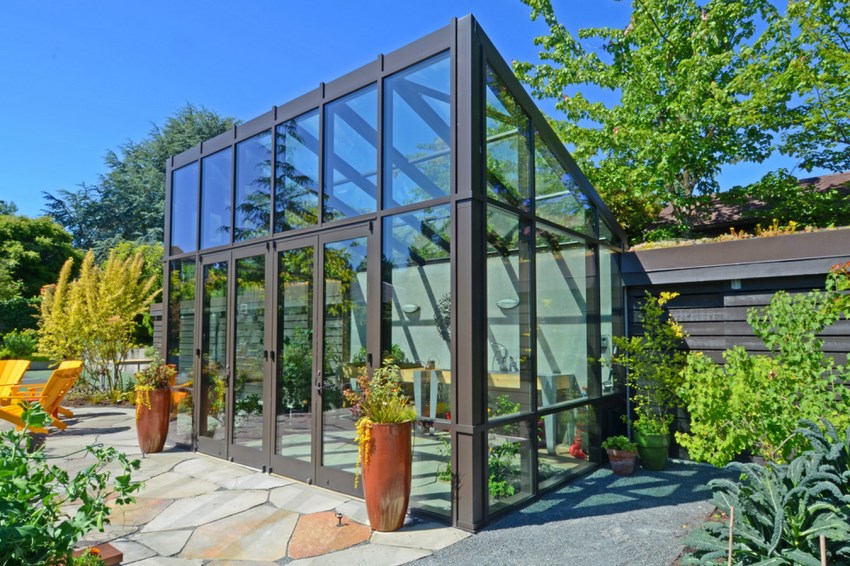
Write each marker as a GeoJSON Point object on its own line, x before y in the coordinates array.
{"type": "Point", "coordinates": [318, 352]}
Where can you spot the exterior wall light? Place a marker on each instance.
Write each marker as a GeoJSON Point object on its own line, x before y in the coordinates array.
{"type": "Point", "coordinates": [507, 303]}
{"type": "Point", "coordinates": [409, 308]}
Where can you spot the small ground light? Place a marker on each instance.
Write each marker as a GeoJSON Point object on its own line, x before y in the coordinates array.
{"type": "Point", "coordinates": [339, 520]}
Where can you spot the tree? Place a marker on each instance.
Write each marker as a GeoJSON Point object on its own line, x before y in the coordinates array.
{"type": "Point", "coordinates": [692, 97]}
{"type": "Point", "coordinates": [128, 202]}
{"type": "Point", "coordinates": [32, 251]}
{"type": "Point", "coordinates": [8, 207]}
{"type": "Point", "coordinates": [93, 317]}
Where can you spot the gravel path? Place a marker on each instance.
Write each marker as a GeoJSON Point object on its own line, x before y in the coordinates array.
{"type": "Point", "coordinates": [601, 519]}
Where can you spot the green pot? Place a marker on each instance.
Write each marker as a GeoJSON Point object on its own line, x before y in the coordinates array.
{"type": "Point", "coordinates": [653, 450]}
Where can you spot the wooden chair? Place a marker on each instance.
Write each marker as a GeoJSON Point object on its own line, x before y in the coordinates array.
{"type": "Point", "coordinates": [11, 373]}
{"type": "Point", "coordinates": [33, 390]}
{"type": "Point", "coordinates": [49, 394]}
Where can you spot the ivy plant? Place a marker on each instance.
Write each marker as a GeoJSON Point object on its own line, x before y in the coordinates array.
{"type": "Point", "coordinates": [37, 522]}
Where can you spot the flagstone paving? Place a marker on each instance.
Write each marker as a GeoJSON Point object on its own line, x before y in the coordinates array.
{"type": "Point", "coordinates": [197, 510]}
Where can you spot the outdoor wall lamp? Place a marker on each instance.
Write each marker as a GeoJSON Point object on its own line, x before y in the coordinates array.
{"type": "Point", "coordinates": [409, 308]}
{"type": "Point", "coordinates": [507, 303]}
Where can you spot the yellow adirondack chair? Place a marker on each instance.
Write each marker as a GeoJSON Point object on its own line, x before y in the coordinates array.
{"type": "Point", "coordinates": [33, 390]}
{"type": "Point", "coordinates": [49, 394]}
{"type": "Point", "coordinates": [11, 373]}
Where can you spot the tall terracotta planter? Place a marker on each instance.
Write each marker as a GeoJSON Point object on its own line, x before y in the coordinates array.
{"type": "Point", "coordinates": [152, 424]}
{"type": "Point", "coordinates": [386, 475]}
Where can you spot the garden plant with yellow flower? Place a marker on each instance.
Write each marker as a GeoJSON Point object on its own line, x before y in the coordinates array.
{"type": "Point", "coordinates": [379, 400]}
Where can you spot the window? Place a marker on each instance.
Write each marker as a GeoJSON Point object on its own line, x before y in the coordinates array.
{"type": "Point", "coordinates": [558, 197]}
{"type": "Point", "coordinates": [508, 157]}
{"type": "Point", "coordinates": [215, 199]}
{"type": "Point", "coordinates": [297, 173]}
{"type": "Point", "coordinates": [253, 187]}
{"type": "Point", "coordinates": [184, 209]}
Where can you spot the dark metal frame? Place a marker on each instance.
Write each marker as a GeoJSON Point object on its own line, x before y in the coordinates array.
{"type": "Point", "coordinates": [470, 51]}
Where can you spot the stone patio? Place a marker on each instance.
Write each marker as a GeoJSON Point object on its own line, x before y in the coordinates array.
{"type": "Point", "coordinates": [196, 510]}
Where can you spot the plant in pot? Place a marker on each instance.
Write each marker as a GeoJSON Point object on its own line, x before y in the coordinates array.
{"type": "Point", "coordinates": [153, 404]}
{"type": "Point", "coordinates": [384, 419]}
{"type": "Point", "coordinates": [622, 453]}
{"type": "Point", "coordinates": [654, 362]}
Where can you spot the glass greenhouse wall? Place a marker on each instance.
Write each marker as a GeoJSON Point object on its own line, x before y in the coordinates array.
{"type": "Point", "coordinates": [419, 208]}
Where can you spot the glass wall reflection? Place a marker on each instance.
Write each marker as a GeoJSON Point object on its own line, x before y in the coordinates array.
{"type": "Point", "coordinates": [508, 146]}
{"type": "Point", "coordinates": [297, 173]}
{"type": "Point", "coordinates": [184, 209]}
{"type": "Point", "coordinates": [508, 314]}
{"type": "Point", "coordinates": [351, 155]}
{"type": "Point", "coordinates": [180, 346]}
{"type": "Point", "coordinates": [213, 351]}
{"type": "Point", "coordinates": [562, 356]}
{"type": "Point", "coordinates": [509, 464]}
{"type": "Point", "coordinates": [249, 345]}
{"type": "Point", "coordinates": [253, 187]}
{"type": "Point", "coordinates": [558, 197]}
{"type": "Point", "coordinates": [216, 199]}
{"type": "Point", "coordinates": [417, 133]}
{"type": "Point", "coordinates": [563, 444]}
{"type": "Point", "coordinates": [294, 419]}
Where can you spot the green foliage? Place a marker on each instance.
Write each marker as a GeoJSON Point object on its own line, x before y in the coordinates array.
{"type": "Point", "coordinates": [296, 369]}
{"type": "Point", "coordinates": [8, 207]}
{"type": "Point", "coordinates": [19, 313]}
{"type": "Point", "coordinates": [752, 403]}
{"type": "Point", "coordinates": [781, 510]}
{"type": "Point", "coordinates": [32, 251]}
{"type": "Point", "coordinates": [381, 399]}
{"type": "Point", "coordinates": [44, 510]}
{"type": "Point", "coordinates": [654, 362]}
{"type": "Point", "coordinates": [619, 442]}
{"type": "Point", "coordinates": [501, 465]}
{"type": "Point", "coordinates": [701, 85]}
{"type": "Point", "coordinates": [156, 375]}
{"type": "Point", "coordinates": [19, 345]}
{"type": "Point", "coordinates": [127, 204]}
{"type": "Point", "coordinates": [92, 317]}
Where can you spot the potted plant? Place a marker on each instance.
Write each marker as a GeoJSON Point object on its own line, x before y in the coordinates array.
{"type": "Point", "coordinates": [153, 404]}
{"type": "Point", "coordinates": [654, 362]}
{"type": "Point", "coordinates": [384, 418]}
{"type": "Point", "coordinates": [621, 453]}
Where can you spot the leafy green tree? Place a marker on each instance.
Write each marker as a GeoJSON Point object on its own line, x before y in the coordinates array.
{"type": "Point", "coordinates": [93, 317]}
{"type": "Point", "coordinates": [32, 251]}
{"type": "Point", "coordinates": [127, 204]}
{"type": "Point", "coordinates": [702, 85]}
{"type": "Point", "coordinates": [8, 207]}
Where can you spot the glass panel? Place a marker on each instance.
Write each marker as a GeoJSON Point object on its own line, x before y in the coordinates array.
{"type": "Point", "coordinates": [213, 351]}
{"type": "Point", "coordinates": [612, 315]}
{"type": "Point", "coordinates": [249, 345]}
{"type": "Point", "coordinates": [295, 348]}
{"type": "Point", "coordinates": [215, 199]}
{"type": "Point", "coordinates": [562, 357]}
{"type": "Point", "coordinates": [508, 318]}
{"type": "Point", "coordinates": [417, 334]}
{"type": "Point", "coordinates": [563, 444]}
{"type": "Point", "coordinates": [351, 155]}
{"type": "Point", "coordinates": [253, 187]}
{"type": "Point", "coordinates": [558, 197]}
{"type": "Point", "coordinates": [296, 201]}
{"type": "Point", "coordinates": [344, 339]}
{"type": "Point", "coordinates": [508, 158]}
{"type": "Point", "coordinates": [417, 133]}
{"type": "Point", "coordinates": [184, 209]}
{"type": "Point", "coordinates": [180, 346]}
{"type": "Point", "coordinates": [509, 464]}
{"type": "Point", "coordinates": [607, 234]}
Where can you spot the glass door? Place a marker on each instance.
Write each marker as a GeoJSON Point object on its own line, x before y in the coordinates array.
{"type": "Point", "coordinates": [211, 408]}
{"type": "Point", "coordinates": [343, 350]}
{"type": "Point", "coordinates": [250, 359]}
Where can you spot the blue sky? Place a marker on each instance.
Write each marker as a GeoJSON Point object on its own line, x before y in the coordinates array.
{"type": "Point", "coordinates": [82, 77]}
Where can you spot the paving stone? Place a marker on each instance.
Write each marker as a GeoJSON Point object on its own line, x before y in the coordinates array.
{"type": "Point", "coordinates": [305, 499]}
{"type": "Point", "coordinates": [164, 543]}
{"type": "Point", "coordinates": [133, 551]}
{"type": "Point", "coordinates": [260, 533]}
{"type": "Point", "coordinates": [240, 563]}
{"type": "Point", "coordinates": [319, 533]}
{"type": "Point", "coordinates": [365, 555]}
{"type": "Point", "coordinates": [255, 481]}
{"type": "Point", "coordinates": [176, 486]}
{"type": "Point", "coordinates": [195, 511]}
{"type": "Point", "coordinates": [428, 536]}
{"type": "Point", "coordinates": [165, 561]}
{"type": "Point", "coordinates": [142, 511]}
{"type": "Point", "coordinates": [211, 470]}
{"type": "Point", "coordinates": [110, 533]}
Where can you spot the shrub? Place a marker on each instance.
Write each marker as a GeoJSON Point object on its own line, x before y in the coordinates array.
{"type": "Point", "coordinates": [753, 402]}
{"type": "Point", "coordinates": [782, 510]}
{"type": "Point", "coordinates": [619, 443]}
{"type": "Point", "coordinates": [37, 522]}
{"type": "Point", "coordinates": [18, 345]}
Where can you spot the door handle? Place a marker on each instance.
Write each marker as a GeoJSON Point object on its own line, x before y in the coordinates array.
{"type": "Point", "coordinates": [319, 384]}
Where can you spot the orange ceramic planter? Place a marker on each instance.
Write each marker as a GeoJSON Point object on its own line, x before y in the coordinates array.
{"type": "Point", "coordinates": [386, 476]}
{"type": "Point", "coordinates": [152, 424]}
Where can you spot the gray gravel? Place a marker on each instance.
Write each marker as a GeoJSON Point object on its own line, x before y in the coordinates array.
{"type": "Point", "coordinates": [601, 519]}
